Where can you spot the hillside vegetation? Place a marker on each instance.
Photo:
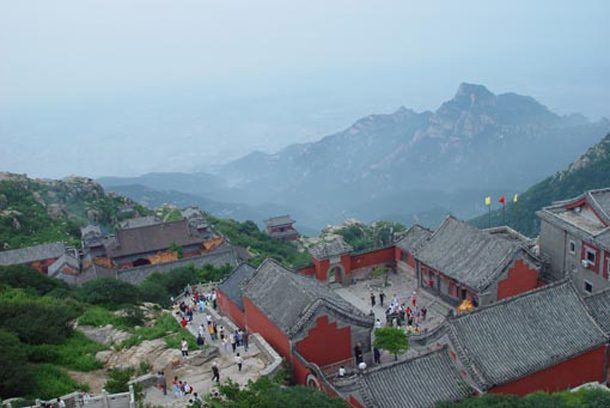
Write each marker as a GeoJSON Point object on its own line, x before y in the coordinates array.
{"type": "Point", "coordinates": [34, 211]}
{"type": "Point", "coordinates": [589, 171]}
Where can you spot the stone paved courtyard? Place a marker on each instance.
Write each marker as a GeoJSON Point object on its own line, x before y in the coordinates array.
{"type": "Point", "coordinates": [401, 284]}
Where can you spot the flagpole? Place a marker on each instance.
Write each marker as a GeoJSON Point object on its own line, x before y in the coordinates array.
{"type": "Point", "coordinates": [489, 213]}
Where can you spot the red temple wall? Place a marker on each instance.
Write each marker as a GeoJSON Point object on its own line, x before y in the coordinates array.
{"type": "Point", "coordinates": [373, 258]}
{"type": "Point", "coordinates": [257, 322]}
{"type": "Point", "coordinates": [520, 278]}
{"type": "Point", "coordinates": [315, 346]}
{"type": "Point", "coordinates": [585, 368]}
{"type": "Point", "coordinates": [230, 309]}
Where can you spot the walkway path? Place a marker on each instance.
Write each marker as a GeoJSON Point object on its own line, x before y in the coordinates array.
{"type": "Point", "coordinates": [200, 376]}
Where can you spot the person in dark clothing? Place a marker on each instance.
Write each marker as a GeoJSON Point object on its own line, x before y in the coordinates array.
{"type": "Point", "coordinates": [372, 299]}
{"type": "Point", "coordinates": [216, 373]}
{"type": "Point", "coordinates": [358, 353]}
{"type": "Point", "coordinates": [377, 355]}
{"type": "Point", "coordinates": [381, 298]}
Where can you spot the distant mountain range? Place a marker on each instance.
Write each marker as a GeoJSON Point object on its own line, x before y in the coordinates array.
{"type": "Point", "coordinates": [590, 171]}
{"type": "Point", "coordinates": [404, 166]}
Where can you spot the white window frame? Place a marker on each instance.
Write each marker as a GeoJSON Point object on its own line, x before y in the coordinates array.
{"type": "Point", "coordinates": [572, 247]}
{"type": "Point", "coordinates": [590, 284]}
{"type": "Point", "coordinates": [590, 251]}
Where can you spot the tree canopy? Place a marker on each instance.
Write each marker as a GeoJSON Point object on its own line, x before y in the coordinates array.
{"type": "Point", "coordinates": [391, 339]}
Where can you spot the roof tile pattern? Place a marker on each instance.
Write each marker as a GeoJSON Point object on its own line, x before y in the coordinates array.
{"type": "Point", "coordinates": [414, 238]}
{"type": "Point", "coordinates": [524, 334]}
{"type": "Point", "coordinates": [419, 382]}
{"type": "Point", "coordinates": [234, 284]}
{"type": "Point", "coordinates": [287, 298]}
{"type": "Point", "coordinates": [32, 253]}
{"type": "Point", "coordinates": [599, 307]}
{"type": "Point", "coordinates": [152, 238]}
{"type": "Point", "coordinates": [467, 254]}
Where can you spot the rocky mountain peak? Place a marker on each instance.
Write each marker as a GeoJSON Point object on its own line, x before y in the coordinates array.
{"type": "Point", "coordinates": [470, 95]}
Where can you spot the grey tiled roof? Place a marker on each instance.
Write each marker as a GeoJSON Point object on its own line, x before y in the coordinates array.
{"type": "Point", "coordinates": [139, 222]}
{"type": "Point", "coordinates": [414, 238]}
{"type": "Point", "coordinates": [602, 199]}
{"type": "Point", "coordinates": [524, 334]}
{"type": "Point", "coordinates": [277, 221]}
{"type": "Point", "coordinates": [467, 254]}
{"type": "Point", "coordinates": [31, 254]}
{"type": "Point", "coordinates": [599, 307]}
{"type": "Point", "coordinates": [326, 249]}
{"type": "Point", "coordinates": [64, 260]}
{"type": "Point", "coordinates": [151, 238]}
{"type": "Point", "coordinates": [232, 286]}
{"type": "Point", "coordinates": [416, 383]}
{"type": "Point", "coordinates": [289, 299]}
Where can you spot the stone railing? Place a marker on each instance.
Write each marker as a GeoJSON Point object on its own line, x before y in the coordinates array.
{"type": "Point", "coordinates": [274, 360]}
{"type": "Point", "coordinates": [79, 400]}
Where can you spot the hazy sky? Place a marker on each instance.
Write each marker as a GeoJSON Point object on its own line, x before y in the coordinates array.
{"type": "Point", "coordinates": [118, 87]}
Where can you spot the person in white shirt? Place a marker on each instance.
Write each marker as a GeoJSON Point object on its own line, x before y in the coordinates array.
{"type": "Point", "coordinates": [239, 361]}
{"type": "Point", "coordinates": [362, 366]}
{"type": "Point", "coordinates": [184, 347]}
{"type": "Point", "coordinates": [341, 371]}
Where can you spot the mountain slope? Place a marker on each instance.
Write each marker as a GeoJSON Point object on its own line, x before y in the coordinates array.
{"type": "Point", "coordinates": [477, 139]}
{"type": "Point", "coordinates": [35, 211]}
{"type": "Point", "coordinates": [589, 171]}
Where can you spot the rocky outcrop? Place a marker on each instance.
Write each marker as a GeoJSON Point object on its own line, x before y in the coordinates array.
{"type": "Point", "coordinates": [106, 335]}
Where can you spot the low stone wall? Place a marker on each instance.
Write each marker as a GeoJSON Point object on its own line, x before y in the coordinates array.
{"type": "Point", "coordinates": [78, 400]}
{"type": "Point", "coordinates": [273, 359]}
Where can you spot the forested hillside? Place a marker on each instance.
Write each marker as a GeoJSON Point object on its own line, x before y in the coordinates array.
{"type": "Point", "coordinates": [589, 171]}
{"type": "Point", "coordinates": [35, 211]}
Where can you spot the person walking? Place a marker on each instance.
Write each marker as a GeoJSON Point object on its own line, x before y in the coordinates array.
{"type": "Point", "coordinates": [184, 347]}
{"type": "Point", "coordinates": [245, 340]}
{"type": "Point", "coordinates": [162, 382]}
{"type": "Point", "coordinates": [358, 353]}
{"type": "Point", "coordinates": [233, 343]}
{"type": "Point", "coordinates": [239, 361]}
{"type": "Point", "coordinates": [200, 342]}
{"type": "Point", "coordinates": [381, 298]}
{"type": "Point", "coordinates": [216, 373]}
{"type": "Point", "coordinates": [376, 355]}
{"type": "Point", "coordinates": [372, 299]}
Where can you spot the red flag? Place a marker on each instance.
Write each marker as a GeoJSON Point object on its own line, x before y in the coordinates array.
{"type": "Point", "coordinates": [502, 199]}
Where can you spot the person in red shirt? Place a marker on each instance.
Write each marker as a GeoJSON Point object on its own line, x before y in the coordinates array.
{"type": "Point", "coordinates": [183, 322]}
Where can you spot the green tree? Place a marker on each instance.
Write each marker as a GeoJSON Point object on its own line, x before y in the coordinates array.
{"type": "Point", "coordinates": [110, 292]}
{"type": "Point", "coordinates": [174, 247]}
{"type": "Point", "coordinates": [266, 393]}
{"type": "Point", "coordinates": [26, 277]}
{"type": "Point", "coordinates": [381, 270]}
{"type": "Point", "coordinates": [15, 373]}
{"type": "Point", "coordinates": [392, 339]}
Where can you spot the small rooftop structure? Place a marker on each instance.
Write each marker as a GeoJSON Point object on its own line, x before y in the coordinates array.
{"type": "Point", "coordinates": [32, 254]}
{"type": "Point", "coordinates": [139, 222]}
{"type": "Point", "coordinates": [589, 212]}
{"type": "Point", "coordinates": [281, 228]}
{"type": "Point", "coordinates": [327, 249]}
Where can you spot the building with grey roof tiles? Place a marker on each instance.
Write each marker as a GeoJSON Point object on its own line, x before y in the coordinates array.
{"type": "Point", "coordinates": [286, 297]}
{"type": "Point", "coordinates": [281, 228]}
{"type": "Point", "coordinates": [459, 261]}
{"type": "Point", "coordinates": [575, 237]}
{"type": "Point", "coordinates": [419, 382]}
{"type": "Point", "coordinates": [233, 285]}
{"type": "Point", "coordinates": [31, 254]}
{"type": "Point", "coordinates": [415, 237]}
{"type": "Point", "coordinates": [599, 307]}
{"type": "Point", "coordinates": [545, 339]}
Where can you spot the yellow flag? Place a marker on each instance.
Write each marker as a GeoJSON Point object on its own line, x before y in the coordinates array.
{"type": "Point", "coordinates": [487, 200]}
{"type": "Point", "coordinates": [515, 198]}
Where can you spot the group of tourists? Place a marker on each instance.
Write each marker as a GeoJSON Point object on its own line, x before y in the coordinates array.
{"type": "Point", "coordinates": [404, 314]}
